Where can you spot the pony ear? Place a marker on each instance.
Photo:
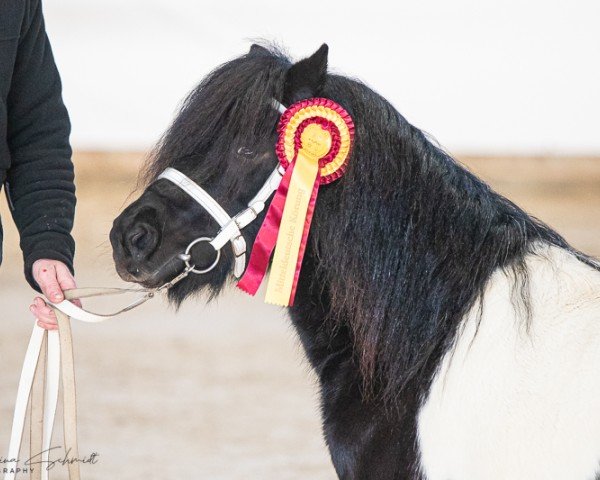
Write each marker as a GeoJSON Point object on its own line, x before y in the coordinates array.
{"type": "Point", "coordinates": [306, 78]}
{"type": "Point", "coordinates": [256, 49]}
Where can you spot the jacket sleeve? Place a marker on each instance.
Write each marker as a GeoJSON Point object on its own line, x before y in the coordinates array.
{"type": "Point", "coordinates": [40, 180]}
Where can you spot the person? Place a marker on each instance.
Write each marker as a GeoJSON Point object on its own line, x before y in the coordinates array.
{"type": "Point", "coordinates": [35, 154]}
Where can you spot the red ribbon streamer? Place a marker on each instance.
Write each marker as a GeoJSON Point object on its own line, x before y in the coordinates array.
{"type": "Point", "coordinates": [266, 238]}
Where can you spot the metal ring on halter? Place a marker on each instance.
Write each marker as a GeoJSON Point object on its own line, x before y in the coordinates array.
{"type": "Point", "coordinates": [192, 268]}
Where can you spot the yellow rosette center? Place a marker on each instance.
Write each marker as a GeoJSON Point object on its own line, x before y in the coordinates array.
{"type": "Point", "coordinates": [315, 141]}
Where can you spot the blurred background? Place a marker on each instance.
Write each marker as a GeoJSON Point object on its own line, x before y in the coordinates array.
{"type": "Point", "coordinates": [222, 391]}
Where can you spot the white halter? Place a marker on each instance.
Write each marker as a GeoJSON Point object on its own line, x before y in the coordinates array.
{"type": "Point", "coordinates": [231, 227]}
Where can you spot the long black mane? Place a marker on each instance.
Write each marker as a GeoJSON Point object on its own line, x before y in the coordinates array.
{"type": "Point", "coordinates": [233, 101]}
{"type": "Point", "coordinates": [405, 242]}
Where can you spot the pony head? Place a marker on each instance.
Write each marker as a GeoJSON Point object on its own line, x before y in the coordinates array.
{"type": "Point", "coordinates": [224, 140]}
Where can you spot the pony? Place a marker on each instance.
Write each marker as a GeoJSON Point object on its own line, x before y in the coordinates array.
{"type": "Point", "coordinates": [454, 336]}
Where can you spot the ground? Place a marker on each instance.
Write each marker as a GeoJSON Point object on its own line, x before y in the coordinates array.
{"type": "Point", "coordinates": [218, 391]}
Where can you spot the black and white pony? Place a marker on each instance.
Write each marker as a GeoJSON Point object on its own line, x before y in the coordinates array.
{"type": "Point", "coordinates": [454, 336]}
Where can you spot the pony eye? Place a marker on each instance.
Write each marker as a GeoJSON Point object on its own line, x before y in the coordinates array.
{"type": "Point", "coordinates": [245, 151]}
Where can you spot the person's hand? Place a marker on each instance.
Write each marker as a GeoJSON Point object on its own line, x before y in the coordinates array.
{"type": "Point", "coordinates": [53, 277]}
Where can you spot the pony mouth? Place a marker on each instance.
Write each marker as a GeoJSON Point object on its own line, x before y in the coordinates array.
{"type": "Point", "coordinates": [131, 277]}
{"type": "Point", "coordinates": [155, 278]}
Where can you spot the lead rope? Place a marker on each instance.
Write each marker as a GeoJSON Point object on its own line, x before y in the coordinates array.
{"type": "Point", "coordinates": [48, 362]}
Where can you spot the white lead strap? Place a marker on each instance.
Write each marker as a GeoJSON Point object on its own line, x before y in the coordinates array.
{"type": "Point", "coordinates": [28, 373]}
{"type": "Point", "coordinates": [51, 388]}
{"type": "Point", "coordinates": [26, 381]}
{"type": "Point", "coordinates": [57, 359]}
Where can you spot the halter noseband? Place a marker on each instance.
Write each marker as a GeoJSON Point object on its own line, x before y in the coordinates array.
{"type": "Point", "coordinates": [230, 227]}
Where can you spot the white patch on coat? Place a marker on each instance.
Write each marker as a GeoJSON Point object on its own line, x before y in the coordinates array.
{"type": "Point", "coordinates": [518, 403]}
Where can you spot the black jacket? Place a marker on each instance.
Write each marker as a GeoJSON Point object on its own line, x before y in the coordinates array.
{"type": "Point", "coordinates": [35, 155]}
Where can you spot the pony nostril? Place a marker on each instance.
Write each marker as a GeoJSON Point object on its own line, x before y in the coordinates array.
{"type": "Point", "coordinates": [138, 239]}
{"type": "Point", "coordinates": [141, 240]}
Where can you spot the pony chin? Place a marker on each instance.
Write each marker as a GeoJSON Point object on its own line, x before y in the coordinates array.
{"type": "Point", "coordinates": [210, 286]}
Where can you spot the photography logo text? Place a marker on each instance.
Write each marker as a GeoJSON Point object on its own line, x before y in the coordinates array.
{"type": "Point", "coordinates": [57, 457]}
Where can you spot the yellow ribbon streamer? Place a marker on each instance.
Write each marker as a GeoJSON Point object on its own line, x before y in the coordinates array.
{"type": "Point", "coordinates": [315, 144]}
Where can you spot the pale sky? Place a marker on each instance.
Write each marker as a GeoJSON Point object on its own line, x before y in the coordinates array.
{"type": "Point", "coordinates": [481, 76]}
